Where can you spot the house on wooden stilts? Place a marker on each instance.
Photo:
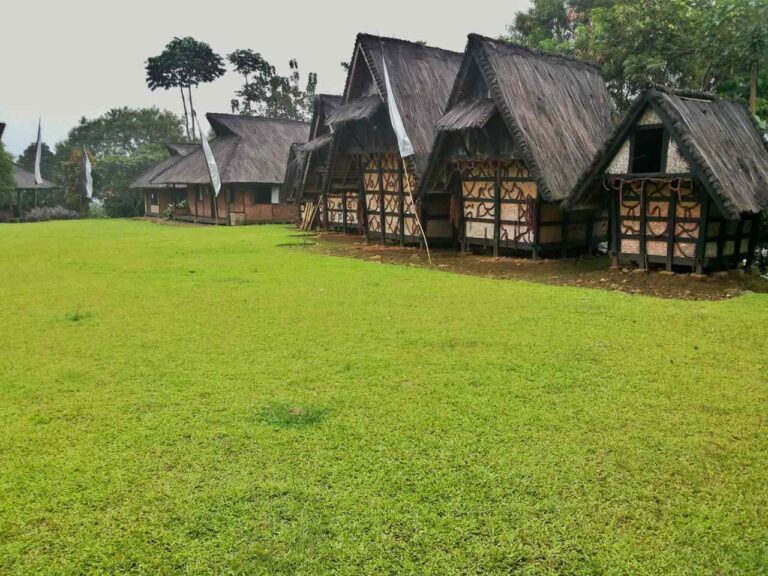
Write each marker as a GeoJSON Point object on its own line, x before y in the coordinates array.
{"type": "Point", "coordinates": [520, 128]}
{"type": "Point", "coordinates": [250, 153]}
{"type": "Point", "coordinates": [157, 197]}
{"type": "Point", "coordinates": [368, 182]}
{"type": "Point", "coordinates": [308, 162]}
{"type": "Point", "coordinates": [685, 177]}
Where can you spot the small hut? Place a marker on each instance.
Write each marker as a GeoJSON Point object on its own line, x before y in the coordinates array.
{"type": "Point", "coordinates": [157, 197]}
{"type": "Point", "coordinates": [685, 176]}
{"type": "Point", "coordinates": [520, 128]}
{"type": "Point", "coordinates": [250, 153]}
{"type": "Point", "coordinates": [368, 181]}
{"type": "Point", "coordinates": [308, 162]}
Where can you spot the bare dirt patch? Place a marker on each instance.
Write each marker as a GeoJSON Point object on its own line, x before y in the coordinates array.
{"type": "Point", "coordinates": [585, 272]}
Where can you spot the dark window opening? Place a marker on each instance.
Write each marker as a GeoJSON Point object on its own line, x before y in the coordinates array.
{"type": "Point", "coordinates": [648, 151]}
{"type": "Point", "coordinates": [262, 195]}
{"type": "Point", "coordinates": [153, 198]}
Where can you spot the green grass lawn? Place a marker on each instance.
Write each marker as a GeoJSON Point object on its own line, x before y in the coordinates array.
{"type": "Point", "coordinates": [204, 401]}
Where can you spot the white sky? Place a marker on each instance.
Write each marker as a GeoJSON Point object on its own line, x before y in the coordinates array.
{"type": "Point", "coordinates": [64, 60]}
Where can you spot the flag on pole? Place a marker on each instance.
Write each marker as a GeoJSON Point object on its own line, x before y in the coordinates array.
{"type": "Point", "coordinates": [38, 153]}
{"type": "Point", "coordinates": [213, 169]}
{"type": "Point", "coordinates": [85, 175]}
{"type": "Point", "coordinates": [403, 142]}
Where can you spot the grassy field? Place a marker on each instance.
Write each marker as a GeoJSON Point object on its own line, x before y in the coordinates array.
{"type": "Point", "coordinates": [207, 401]}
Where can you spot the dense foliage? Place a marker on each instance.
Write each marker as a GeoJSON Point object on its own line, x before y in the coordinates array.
{"type": "Point", "coordinates": [267, 93]}
{"type": "Point", "coordinates": [184, 63]}
{"type": "Point", "coordinates": [711, 45]}
{"type": "Point", "coordinates": [47, 160]}
{"type": "Point", "coordinates": [122, 144]}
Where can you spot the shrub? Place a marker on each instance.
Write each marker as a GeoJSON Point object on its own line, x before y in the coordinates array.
{"type": "Point", "coordinates": [43, 213]}
{"type": "Point", "coordinates": [169, 212]}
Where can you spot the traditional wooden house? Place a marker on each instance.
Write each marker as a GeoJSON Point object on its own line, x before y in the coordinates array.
{"type": "Point", "coordinates": [520, 128]}
{"type": "Point", "coordinates": [157, 197]}
{"type": "Point", "coordinates": [308, 162]}
{"type": "Point", "coordinates": [368, 181]}
{"type": "Point", "coordinates": [28, 192]}
{"type": "Point", "coordinates": [250, 154]}
{"type": "Point", "coordinates": [686, 177]}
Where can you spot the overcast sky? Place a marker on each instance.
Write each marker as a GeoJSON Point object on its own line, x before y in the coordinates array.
{"type": "Point", "coordinates": [65, 60]}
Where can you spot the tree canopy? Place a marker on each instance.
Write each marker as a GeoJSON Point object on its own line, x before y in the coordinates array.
{"type": "Point", "coordinates": [267, 93]}
{"type": "Point", "coordinates": [7, 180]}
{"type": "Point", "coordinates": [184, 63]}
{"type": "Point", "coordinates": [47, 160]}
{"type": "Point", "coordinates": [712, 45]}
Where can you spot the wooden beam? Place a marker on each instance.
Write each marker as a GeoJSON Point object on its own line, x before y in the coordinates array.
{"type": "Point", "coordinates": [614, 224]}
{"type": "Point", "coordinates": [401, 208]}
{"type": "Point", "coordinates": [344, 211]}
{"type": "Point", "coordinates": [497, 209]}
{"type": "Point", "coordinates": [643, 226]}
{"type": "Point", "coordinates": [737, 244]}
{"type": "Point", "coordinates": [671, 227]}
{"type": "Point", "coordinates": [382, 207]}
{"type": "Point", "coordinates": [536, 255]}
{"type": "Point", "coordinates": [753, 235]}
{"type": "Point", "coordinates": [701, 244]}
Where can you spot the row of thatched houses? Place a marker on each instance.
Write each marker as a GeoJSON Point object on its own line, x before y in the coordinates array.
{"type": "Point", "coordinates": [514, 151]}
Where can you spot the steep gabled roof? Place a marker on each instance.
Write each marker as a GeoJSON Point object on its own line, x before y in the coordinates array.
{"type": "Point", "coordinates": [25, 180]}
{"type": "Point", "coordinates": [556, 108]}
{"type": "Point", "coordinates": [719, 139]}
{"type": "Point", "coordinates": [177, 152]}
{"type": "Point", "coordinates": [421, 78]}
{"type": "Point", "coordinates": [320, 136]}
{"type": "Point", "coordinates": [247, 150]}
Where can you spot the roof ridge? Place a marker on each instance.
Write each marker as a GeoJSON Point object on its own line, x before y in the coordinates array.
{"type": "Point", "coordinates": [472, 37]}
{"type": "Point", "coordinates": [260, 118]}
{"type": "Point", "coordinates": [378, 37]}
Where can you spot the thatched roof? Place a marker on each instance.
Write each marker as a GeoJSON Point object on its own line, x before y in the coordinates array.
{"type": "Point", "coordinates": [556, 108]}
{"type": "Point", "coordinates": [300, 154]}
{"type": "Point", "coordinates": [421, 78]}
{"type": "Point", "coordinates": [177, 151]}
{"type": "Point", "coordinates": [356, 110]}
{"type": "Point", "coordinates": [719, 139]}
{"type": "Point", "coordinates": [25, 180]}
{"type": "Point", "coordinates": [247, 150]}
{"type": "Point", "coordinates": [470, 113]}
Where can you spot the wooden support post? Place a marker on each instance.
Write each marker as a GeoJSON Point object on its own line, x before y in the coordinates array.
{"type": "Point", "coordinates": [737, 254]}
{"type": "Point", "coordinates": [564, 235]}
{"type": "Point", "coordinates": [326, 219]}
{"type": "Point", "coordinates": [382, 206]}
{"type": "Point", "coordinates": [536, 254]}
{"type": "Point", "coordinates": [613, 222]}
{"type": "Point", "coordinates": [497, 208]}
{"type": "Point", "coordinates": [701, 243]}
{"type": "Point", "coordinates": [643, 226]}
{"type": "Point", "coordinates": [721, 233]}
{"type": "Point", "coordinates": [344, 211]}
{"type": "Point", "coordinates": [753, 235]}
{"type": "Point", "coordinates": [401, 199]}
{"type": "Point", "coordinates": [590, 234]}
{"type": "Point", "coordinates": [671, 227]}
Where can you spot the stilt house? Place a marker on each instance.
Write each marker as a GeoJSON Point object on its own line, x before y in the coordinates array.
{"type": "Point", "coordinates": [368, 181]}
{"type": "Point", "coordinates": [685, 177]}
{"type": "Point", "coordinates": [250, 153]}
{"type": "Point", "coordinates": [521, 127]}
{"type": "Point", "coordinates": [308, 162]}
{"type": "Point", "coordinates": [157, 197]}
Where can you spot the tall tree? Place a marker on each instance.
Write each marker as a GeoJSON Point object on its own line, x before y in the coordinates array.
{"type": "Point", "coordinates": [7, 180]}
{"type": "Point", "coordinates": [184, 63]}
{"type": "Point", "coordinates": [267, 93]}
{"type": "Point", "coordinates": [122, 144]}
{"type": "Point", "coordinates": [47, 160]}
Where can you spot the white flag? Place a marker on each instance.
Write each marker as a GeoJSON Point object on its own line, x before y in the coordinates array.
{"type": "Point", "coordinates": [213, 169]}
{"type": "Point", "coordinates": [38, 175]}
{"type": "Point", "coordinates": [85, 175]}
{"type": "Point", "coordinates": [403, 142]}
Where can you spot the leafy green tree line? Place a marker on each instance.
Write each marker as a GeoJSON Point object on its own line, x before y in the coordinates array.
{"type": "Point", "coordinates": [717, 46]}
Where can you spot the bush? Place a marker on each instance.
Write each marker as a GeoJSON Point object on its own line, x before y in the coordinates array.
{"type": "Point", "coordinates": [169, 212]}
{"type": "Point", "coordinates": [44, 213]}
